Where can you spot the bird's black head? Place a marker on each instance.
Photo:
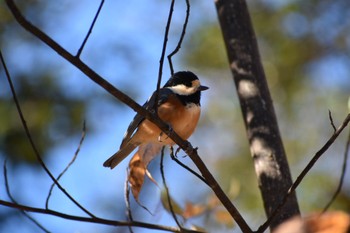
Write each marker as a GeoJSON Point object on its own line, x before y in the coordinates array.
{"type": "Point", "coordinates": [187, 86]}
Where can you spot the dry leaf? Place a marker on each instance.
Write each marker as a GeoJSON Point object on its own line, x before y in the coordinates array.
{"type": "Point", "coordinates": [138, 168]}
{"type": "Point", "coordinates": [193, 210]}
{"type": "Point", "coordinates": [331, 222]}
{"type": "Point", "coordinates": [224, 217]}
{"type": "Point", "coordinates": [136, 176]}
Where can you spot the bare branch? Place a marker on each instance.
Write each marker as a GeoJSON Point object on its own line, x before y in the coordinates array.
{"type": "Point", "coordinates": [301, 176]}
{"type": "Point", "coordinates": [69, 164]}
{"type": "Point", "coordinates": [167, 190]}
{"type": "Point", "coordinates": [90, 29]}
{"type": "Point", "coordinates": [181, 37]}
{"type": "Point", "coordinates": [127, 200]}
{"type": "Point", "coordinates": [161, 61]}
{"type": "Point", "coordinates": [331, 120]}
{"type": "Point", "coordinates": [38, 156]}
{"type": "Point", "coordinates": [14, 201]}
{"type": "Point", "coordinates": [173, 157]}
{"type": "Point", "coordinates": [92, 219]}
{"type": "Point", "coordinates": [185, 145]}
{"type": "Point", "coordinates": [342, 175]}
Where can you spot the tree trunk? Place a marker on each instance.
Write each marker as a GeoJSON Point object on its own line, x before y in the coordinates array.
{"type": "Point", "coordinates": [266, 146]}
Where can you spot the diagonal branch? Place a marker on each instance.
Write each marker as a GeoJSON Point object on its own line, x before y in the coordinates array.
{"type": "Point", "coordinates": [68, 166]}
{"type": "Point", "coordinates": [301, 176]}
{"type": "Point", "coordinates": [173, 157]}
{"type": "Point", "coordinates": [342, 175]}
{"type": "Point", "coordinates": [185, 145]}
{"type": "Point", "coordinates": [90, 29]}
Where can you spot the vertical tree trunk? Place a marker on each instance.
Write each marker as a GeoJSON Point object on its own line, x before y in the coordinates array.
{"type": "Point", "coordinates": [266, 146]}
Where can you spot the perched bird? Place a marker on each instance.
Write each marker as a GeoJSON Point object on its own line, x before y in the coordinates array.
{"type": "Point", "coordinates": [178, 105]}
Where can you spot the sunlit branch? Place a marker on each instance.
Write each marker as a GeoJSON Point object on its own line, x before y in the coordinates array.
{"type": "Point", "coordinates": [28, 134]}
{"type": "Point", "coordinates": [301, 176]}
{"type": "Point", "coordinates": [178, 46]}
{"type": "Point", "coordinates": [7, 186]}
{"type": "Point", "coordinates": [68, 166]}
{"type": "Point", "coordinates": [90, 29]}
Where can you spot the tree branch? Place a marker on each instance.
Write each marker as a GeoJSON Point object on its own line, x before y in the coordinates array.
{"type": "Point", "coordinates": [68, 166]}
{"type": "Point", "coordinates": [167, 190]}
{"type": "Point", "coordinates": [173, 157]}
{"type": "Point", "coordinates": [182, 36]}
{"type": "Point", "coordinates": [90, 29]}
{"type": "Point", "coordinates": [161, 61]}
{"type": "Point", "coordinates": [342, 174]}
{"type": "Point", "coordinates": [93, 219]}
{"type": "Point", "coordinates": [127, 200]}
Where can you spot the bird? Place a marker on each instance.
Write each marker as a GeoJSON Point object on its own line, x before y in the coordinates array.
{"type": "Point", "coordinates": [178, 105]}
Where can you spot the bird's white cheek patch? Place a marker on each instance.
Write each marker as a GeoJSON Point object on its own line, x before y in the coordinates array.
{"type": "Point", "coordinates": [183, 90]}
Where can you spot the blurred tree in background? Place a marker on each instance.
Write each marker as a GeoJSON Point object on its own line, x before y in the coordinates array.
{"type": "Point", "coordinates": [305, 49]}
{"type": "Point", "coordinates": [51, 112]}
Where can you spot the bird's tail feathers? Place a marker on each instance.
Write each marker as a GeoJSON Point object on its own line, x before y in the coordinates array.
{"type": "Point", "coordinates": [115, 159]}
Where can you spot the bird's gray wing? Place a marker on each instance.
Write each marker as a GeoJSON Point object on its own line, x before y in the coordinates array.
{"type": "Point", "coordinates": [163, 96]}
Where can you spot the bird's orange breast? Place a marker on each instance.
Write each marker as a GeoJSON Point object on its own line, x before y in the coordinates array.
{"type": "Point", "coordinates": [183, 121]}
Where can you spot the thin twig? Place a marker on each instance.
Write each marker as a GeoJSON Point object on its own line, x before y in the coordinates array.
{"type": "Point", "coordinates": [127, 200]}
{"type": "Point", "coordinates": [69, 164]}
{"type": "Point", "coordinates": [161, 61]}
{"type": "Point", "coordinates": [301, 176]}
{"type": "Point", "coordinates": [342, 175]}
{"type": "Point", "coordinates": [14, 201]}
{"type": "Point", "coordinates": [92, 220]}
{"type": "Point", "coordinates": [331, 120]}
{"type": "Point", "coordinates": [167, 190]}
{"type": "Point", "coordinates": [90, 29]}
{"type": "Point", "coordinates": [184, 144]}
{"type": "Point", "coordinates": [38, 156]}
{"type": "Point", "coordinates": [181, 37]}
{"type": "Point", "coordinates": [173, 157]}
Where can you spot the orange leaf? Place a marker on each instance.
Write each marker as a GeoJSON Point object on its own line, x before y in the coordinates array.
{"type": "Point", "coordinates": [223, 217]}
{"type": "Point", "coordinates": [136, 176]}
{"type": "Point", "coordinates": [193, 210]}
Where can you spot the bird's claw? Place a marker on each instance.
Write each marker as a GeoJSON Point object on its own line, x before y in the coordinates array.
{"type": "Point", "coordinates": [170, 129]}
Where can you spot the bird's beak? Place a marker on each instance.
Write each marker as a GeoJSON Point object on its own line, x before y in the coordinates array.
{"type": "Point", "coordinates": [203, 88]}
